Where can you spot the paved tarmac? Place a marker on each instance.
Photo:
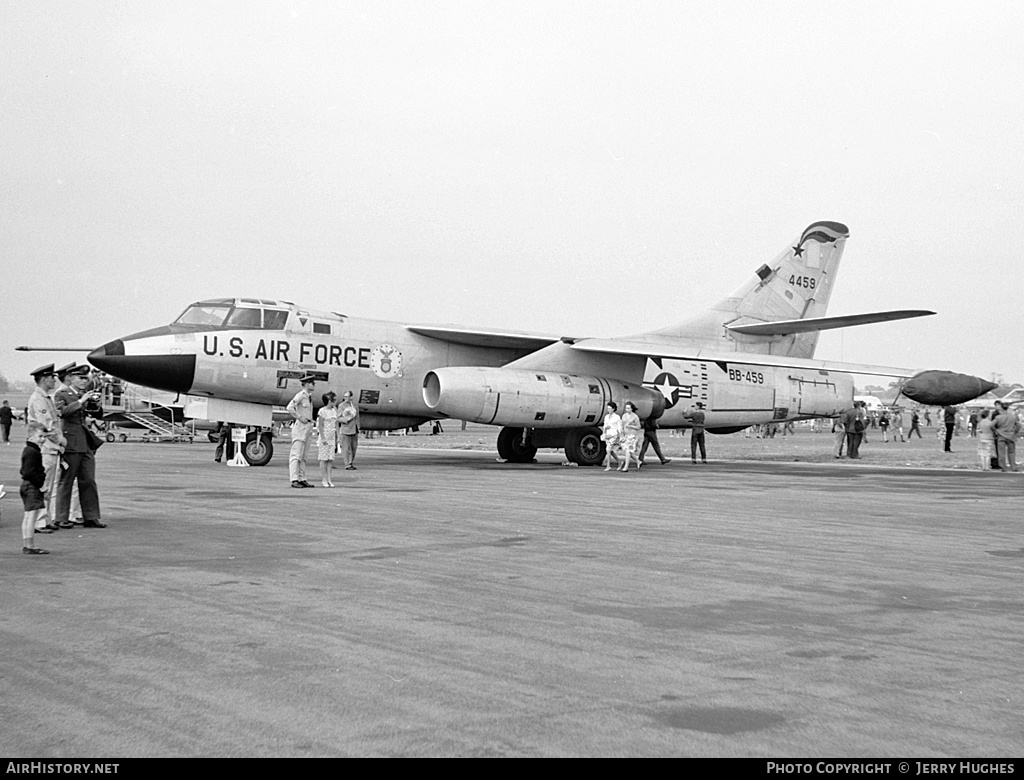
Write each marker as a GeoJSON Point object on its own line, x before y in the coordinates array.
{"type": "Point", "coordinates": [440, 603]}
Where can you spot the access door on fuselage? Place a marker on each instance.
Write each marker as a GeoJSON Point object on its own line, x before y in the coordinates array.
{"type": "Point", "coordinates": [817, 395]}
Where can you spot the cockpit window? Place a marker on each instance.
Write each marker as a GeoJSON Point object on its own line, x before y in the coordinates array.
{"type": "Point", "coordinates": [274, 320]}
{"type": "Point", "coordinates": [244, 318]}
{"type": "Point", "coordinates": [206, 314]}
{"type": "Point", "coordinates": [221, 314]}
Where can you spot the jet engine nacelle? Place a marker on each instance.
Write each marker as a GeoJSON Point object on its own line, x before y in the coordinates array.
{"type": "Point", "coordinates": [532, 399]}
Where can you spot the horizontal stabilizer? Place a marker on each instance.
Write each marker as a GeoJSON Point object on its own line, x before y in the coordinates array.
{"type": "Point", "coordinates": [484, 337]}
{"type": "Point", "coordinates": [655, 350]}
{"type": "Point", "coordinates": [785, 327]}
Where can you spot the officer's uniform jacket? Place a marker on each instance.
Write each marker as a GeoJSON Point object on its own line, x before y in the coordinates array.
{"type": "Point", "coordinates": [72, 413]}
{"type": "Point", "coordinates": [44, 423]}
{"type": "Point", "coordinates": [301, 406]}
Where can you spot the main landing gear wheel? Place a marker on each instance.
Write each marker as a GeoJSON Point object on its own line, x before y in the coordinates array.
{"type": "Point", "coordinates": [511, 447]}
{"type": "Point", "coordinates": [258, 449]}
{"type": "Point", "coordinates": [111, 437]}
{"type": "Point", "coordinates": [584, 446]}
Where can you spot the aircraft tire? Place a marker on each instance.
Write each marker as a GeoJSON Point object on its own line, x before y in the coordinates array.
{"type": "Point", "coordinates": [511, 449]}
{"type": "Point", "coordinates": [123, 437]}
{"type": "Point", "coordinates": [584, 447]}
{"type": "Point", "coordinates": [111, 437]}
{"type": "Point", "coordinates": [258, 449]}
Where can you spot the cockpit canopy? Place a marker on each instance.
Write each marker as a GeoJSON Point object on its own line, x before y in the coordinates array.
{"type": "Point", "coordinates": [256, 314]}
{"type": "Point", "coordinates": [242, 313]}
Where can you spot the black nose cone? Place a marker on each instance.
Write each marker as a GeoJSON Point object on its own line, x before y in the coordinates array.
{"type": "Point", "coordinates": [173, 373]}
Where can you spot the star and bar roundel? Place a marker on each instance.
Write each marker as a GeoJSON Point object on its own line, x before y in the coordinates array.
{"type": "Point", "coordinates": [666, 383]}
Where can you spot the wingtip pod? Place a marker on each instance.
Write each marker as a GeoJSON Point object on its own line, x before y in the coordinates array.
{"type": "Point", "coordinates": [943, 388]}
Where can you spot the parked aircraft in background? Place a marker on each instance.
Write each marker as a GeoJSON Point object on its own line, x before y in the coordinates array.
{"type": "Point", "coordinates": [749, 359]}
{"type": "Point", "coordinates": [1014, 398]}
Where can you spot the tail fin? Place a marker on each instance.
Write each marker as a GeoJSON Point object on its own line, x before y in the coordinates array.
{"type": "Point", "coordinates": [797, 284]}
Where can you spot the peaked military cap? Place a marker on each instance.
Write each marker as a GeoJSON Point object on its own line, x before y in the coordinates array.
{"type": "Point", "coordinates": [307, 378]}
{"type": "Point", "coordinates": [43, 371]}
{"type": "Point", "coordinates": [63, 370]}
{"type": "Point", "coordinates": [82, 370]}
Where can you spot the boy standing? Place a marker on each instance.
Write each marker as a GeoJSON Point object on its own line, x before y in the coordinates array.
{"type": "Point", "coordinates": [33, 476]}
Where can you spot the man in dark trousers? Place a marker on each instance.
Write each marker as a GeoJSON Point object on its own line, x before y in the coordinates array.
{"type": "Point", "coordinates": [949, 418]}
{"type": "Point", "coordinates": [915, 425]}
{"type": "Point", "coordinates": [6, 421]}
{"type": "Point", "coordinates": [79, 459]}
{"type": "Point", "coordinates": [695, 414]}
{"type": "Point", "coordinates": [651, 440]}
{"type": "Point", "coordinates": [853, 422]}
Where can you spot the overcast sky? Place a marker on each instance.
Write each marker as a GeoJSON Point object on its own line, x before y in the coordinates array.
{"type": "Point", "coordinates": [585, 168]}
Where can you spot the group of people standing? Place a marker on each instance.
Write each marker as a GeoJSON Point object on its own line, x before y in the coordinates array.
{"type": "Point", "coordinates": [848, 429]}
{"type": "Point", "coordinates": [997, 438]}
{"type": "Point", "coordinates": [997, 432]}
{"type": "Point", "coordinates": [337, 426]}
{"type": "Point", "coordinates": [58, 464]}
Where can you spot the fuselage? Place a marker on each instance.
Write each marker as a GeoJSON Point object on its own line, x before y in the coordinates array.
{"type": "Point", "coordinates": [254, 351]}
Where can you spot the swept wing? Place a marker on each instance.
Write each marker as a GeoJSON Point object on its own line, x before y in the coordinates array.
{"type": "Point", "coordinates": [485, 337]}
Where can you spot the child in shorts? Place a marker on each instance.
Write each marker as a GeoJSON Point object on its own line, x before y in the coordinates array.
{"type": "Point", "coordinates": [33, 477]}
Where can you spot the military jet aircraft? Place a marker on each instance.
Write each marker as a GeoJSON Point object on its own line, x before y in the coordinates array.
{"type": "Point", "coordinates": [749, 359]}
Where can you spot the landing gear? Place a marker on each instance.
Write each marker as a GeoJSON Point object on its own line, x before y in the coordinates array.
{"type": "Point", "coordinates": [584, 446]}
{"type": "Point", "coordinates": [513, 448]}
{"type": "Point", "coordinates": [258, 449]}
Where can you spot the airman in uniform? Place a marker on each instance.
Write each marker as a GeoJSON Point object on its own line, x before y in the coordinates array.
{"type": "Point", "coordinates": [301, 408]}
{"type": "Point", "coordinates": [75, 515]}
{"type": "Point", "coordinates": [44, 429]}
{"type": "Point", "coordinates": [73, 404]}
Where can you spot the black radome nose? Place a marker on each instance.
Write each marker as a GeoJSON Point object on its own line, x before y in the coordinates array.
{"type": "Point", "coordinates": [173, 373]}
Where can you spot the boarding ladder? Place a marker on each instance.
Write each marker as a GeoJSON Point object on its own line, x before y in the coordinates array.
{"type": "Point", "coordinates": [156, 424]}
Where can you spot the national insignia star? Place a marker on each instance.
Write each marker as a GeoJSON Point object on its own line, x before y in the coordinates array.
{"type": "Point", "coordinates": [668, 386]}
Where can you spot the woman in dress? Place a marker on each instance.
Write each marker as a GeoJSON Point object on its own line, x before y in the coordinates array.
{"type": "Point", "coordinates": [327, 428]}
{"type": "Point", "coordinates": [986, 441]}
{"type": "Point", "coordinates": [611, 434]}
{"type": "Point", "coordinates": [632, 435]}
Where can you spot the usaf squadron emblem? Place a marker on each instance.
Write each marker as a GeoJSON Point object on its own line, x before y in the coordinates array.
{"type": "Point", "coordinates": [386, 361]}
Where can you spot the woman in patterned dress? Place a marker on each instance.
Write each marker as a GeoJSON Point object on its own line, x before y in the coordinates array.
{"type": "Point", "coordinates": [327, 427]}
{"type": "Point", "coordinates": [632, 435]}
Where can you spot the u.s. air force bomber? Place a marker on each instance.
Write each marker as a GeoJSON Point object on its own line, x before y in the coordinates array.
{"type": "Point", "coordinates": [749, 359]}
